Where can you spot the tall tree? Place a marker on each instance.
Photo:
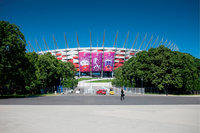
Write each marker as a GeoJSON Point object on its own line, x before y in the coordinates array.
{"type": "Point", "coordinates": [67, 71]}
{"type": "Point", "coordinates": [162, 68]}
{"type": "Point", "coordinates": [12, 57]}
{"type": "Point", "coordinates": [31, 77]}
{"type": "Point", "coordinates": [47, 71]}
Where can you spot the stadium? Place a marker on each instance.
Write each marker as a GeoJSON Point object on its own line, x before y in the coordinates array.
{"type": "Point", "coordinates": [91, 61]}
{"type": "Point", "coordinates": [101, 61]}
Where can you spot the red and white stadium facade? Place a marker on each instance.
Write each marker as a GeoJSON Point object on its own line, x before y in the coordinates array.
{"type": "Point", "coordinates": [94, 59]}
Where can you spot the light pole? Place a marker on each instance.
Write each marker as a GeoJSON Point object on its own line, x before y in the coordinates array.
{"type": "Point", "coordinates": [90, 84]}
{"type": "Point", "coordinates": [142, 82]}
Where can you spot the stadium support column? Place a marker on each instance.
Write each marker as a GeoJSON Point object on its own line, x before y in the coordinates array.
{"type": "Point", "coordinates": [160, 43]}
{"type": "Point", "coordinates": [171, 45]}
{"type": "Point", "coordinates": [135, 40]}
{"type": "Point", "coordinates": [114, 62]}
{"type": "Point", "coordinates": [168, 43]}
{"type": "Point", "coordinates": [165, 42]}
{"type": "Point", "coordinates": [115, 39]}
{"type": "Point", "coordinates": [27, 49]}
{"type": "Point", "coordinates": [149, 42]}
{"type": "Point", "coordinates": [126, 39]}
{"type": "Point", "coordinates": [143, 40]}
{"type": "Point", "coordinates": [79, 63]}
{"type": "Point", "coordinates": [45, 47]}
{"type": "Point", "coordinates": [115, 53]}
{"type": "Point", "coordinates": [155, 41]}
{"type": "Point", "coordinates": [78, 52]}
{"type": "Point", "coordinates": [38, 45]}
{"type": "Point", "coordinates": [103, 54]}
{"type": "Point", "coordinates": [90, 53]}
{"type": "Point", "coordinates": [31, 45]}
{"type": "Point", "coordinates": [66, 41]}
{"type": "Point", "coordinates": [66, 47]}
{"type": "Point", "coordinates": [125, 50]}
{"type": "Point", "coordinates": [54, 40]}
{"type": "Point", "coordinates": [46, 43]}
{"type": "Point", "coordinates": [175, 46]}
{"type": "Point", "coordinates": [102, 64]}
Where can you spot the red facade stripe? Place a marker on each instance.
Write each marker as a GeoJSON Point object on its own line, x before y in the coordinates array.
{"type": "Point", "coordinates": [75, 57]}
{"type": "Point", "coordinates": [58, 54]}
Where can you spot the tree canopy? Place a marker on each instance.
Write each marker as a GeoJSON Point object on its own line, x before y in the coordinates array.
{"type": "Point", "coordinates": [27, 73]}
{"type": "Point", "coordinates": [48, 72]}
{"type": "Point", "coordinates": [162, 68]}
{"type": "Point", "coordinates": [12, 57]}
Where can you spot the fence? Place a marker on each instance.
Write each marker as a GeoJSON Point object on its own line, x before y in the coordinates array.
{"type": "Point", "coordinates": [154, 90]}
{"type": "Point", "coordinates": [93, 88]}
{"type": "Point", "coordinates": [117, 90]}
{"type": "Point", "coordinates": [135, 90]}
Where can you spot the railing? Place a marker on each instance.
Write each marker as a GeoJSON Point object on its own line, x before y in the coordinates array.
{"type": "Point", "coordinates": [117, 91]}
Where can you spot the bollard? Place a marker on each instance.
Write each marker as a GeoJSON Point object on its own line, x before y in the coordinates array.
{"type": "Point", "coordinates": [55, 92]}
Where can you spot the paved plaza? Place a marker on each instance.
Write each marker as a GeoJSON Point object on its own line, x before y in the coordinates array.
{"type": "Point", "coordinates": [100, 114]}
{"type": "Point", "coordinates": [99, 119]}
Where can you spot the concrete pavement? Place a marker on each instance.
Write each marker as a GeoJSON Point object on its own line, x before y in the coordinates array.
{"type": "Point", "coordinates": [98, 119]}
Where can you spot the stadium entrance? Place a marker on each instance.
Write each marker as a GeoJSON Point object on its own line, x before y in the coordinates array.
{"type": "Point", "coordinates": [96, 74]}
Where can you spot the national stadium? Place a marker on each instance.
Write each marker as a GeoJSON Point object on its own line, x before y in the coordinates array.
{"type": "Point", "coordinates": [101, 61]}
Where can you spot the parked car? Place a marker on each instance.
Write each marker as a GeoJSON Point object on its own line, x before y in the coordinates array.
{"type": "Point", "coordinates": [101, 92]}
{"type": "Point", "coordinates": [112, 92]}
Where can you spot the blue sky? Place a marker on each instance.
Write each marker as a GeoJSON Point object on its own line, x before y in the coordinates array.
{"type": "Point", "coordinates": [175, 20]}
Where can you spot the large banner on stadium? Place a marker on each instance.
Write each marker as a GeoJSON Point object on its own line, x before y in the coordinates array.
{"type": "Point", "coordinates": [84, 61]}
{"type": "Point", "coordinates": [97, 61]}
{"type": "Point", "coordinates": [109, 58]}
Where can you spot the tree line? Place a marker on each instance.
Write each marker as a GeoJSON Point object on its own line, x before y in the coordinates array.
{"type": "Point", "coordinates": [28, 73]}
{"type": "Point", "coordinates": [172, 71]}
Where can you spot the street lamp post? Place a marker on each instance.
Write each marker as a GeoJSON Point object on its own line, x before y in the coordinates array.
{"type": "Point", "coordinates": [142, 82]}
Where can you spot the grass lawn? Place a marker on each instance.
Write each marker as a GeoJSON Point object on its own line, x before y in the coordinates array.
{"type": "Point", "coordinates": [28, 95]}
{"type": "Point", "coordinates": [81, 79]}
{"type": "Point", "coordinates": [49, 94]}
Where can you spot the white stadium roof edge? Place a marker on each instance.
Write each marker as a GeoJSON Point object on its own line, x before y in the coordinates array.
{"type": "Point", "coordinates": [151, 43]}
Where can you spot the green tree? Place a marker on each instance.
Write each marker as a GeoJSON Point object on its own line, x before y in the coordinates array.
{"type": "Point", "coordinates": [27, 73]}
{"type": "Point", "coordinates": [118, 81]}
{"type": "Point", "coordinates": [32, 80]}
{"type": "Point", "coordinates": [67, 71]}
{"type": "Point", "coordinates": [47, 72]}
{"type": "Point", "coordinates": [197, 82]}
{"type": "Point", "coordinates": [52, 72]}
{"type": "Point", "coordinates": [162, 68]}
{"type": "Point", "coordinates": [12, 57]}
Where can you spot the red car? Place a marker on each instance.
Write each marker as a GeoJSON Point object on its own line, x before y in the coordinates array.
{"type": "Point", "coordinates": [101, 92]}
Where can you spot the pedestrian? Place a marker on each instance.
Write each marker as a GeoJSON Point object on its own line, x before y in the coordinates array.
{"type": "Point", "coordinates": [122, 95]}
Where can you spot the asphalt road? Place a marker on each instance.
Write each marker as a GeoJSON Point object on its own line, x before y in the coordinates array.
{"type": "Point", "coordinates": [102, 100]}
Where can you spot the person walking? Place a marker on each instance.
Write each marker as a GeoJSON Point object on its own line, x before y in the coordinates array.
{"type": "Point", "coordinates": [122, 94]}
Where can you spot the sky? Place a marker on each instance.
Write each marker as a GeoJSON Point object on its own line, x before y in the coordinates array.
{"type": "Point", "coordinates": [175, 20]}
